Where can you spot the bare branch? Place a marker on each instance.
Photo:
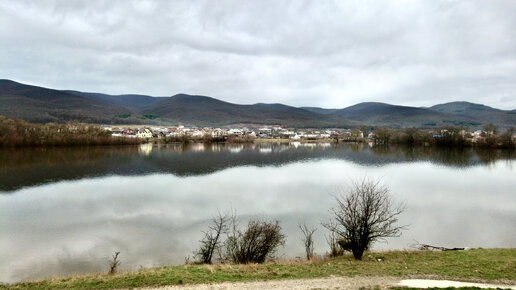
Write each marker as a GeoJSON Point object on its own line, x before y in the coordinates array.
{"type": "Point", "coordinates": [307, 239]}
{"type": "Point", "coordinates": [114, 263]}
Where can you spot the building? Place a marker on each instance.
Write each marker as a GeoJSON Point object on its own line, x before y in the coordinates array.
{"type": "Point", "coordinates": [145, 133]}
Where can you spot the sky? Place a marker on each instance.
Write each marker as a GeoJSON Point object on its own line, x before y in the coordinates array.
{"type": "Point", "coordinates": [328, 54]}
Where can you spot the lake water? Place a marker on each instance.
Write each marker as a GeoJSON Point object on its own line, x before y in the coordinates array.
{"type": "Point", "coordinates": [67, 210]}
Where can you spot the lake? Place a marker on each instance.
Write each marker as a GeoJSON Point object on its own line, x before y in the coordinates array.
{"type": "Point", "coordinates": [66, 210]}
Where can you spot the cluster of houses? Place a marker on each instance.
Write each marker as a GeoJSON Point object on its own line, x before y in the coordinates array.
{"type": "Point", "coordinates": [274, 132]}
{"type": "Point", "coordinates": [266, 132]}
{"type": "Point", "coordinates": [180, 131]}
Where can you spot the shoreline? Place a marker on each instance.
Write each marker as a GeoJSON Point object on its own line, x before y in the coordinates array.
{"type": "Point", "coordinates": [493, 266]}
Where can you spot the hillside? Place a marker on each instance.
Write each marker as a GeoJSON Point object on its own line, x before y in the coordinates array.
{"type": "Point", "coordinates": [478, 112]}
{"type": "Point", "coordinates": [202, 110]}
{"type": "Point", "coordinates": [46, 105]}
{"type": "Point", "coordinates": [40, 104]}
{"type": "Point", "coordinates": [319, 110]}
{"type": "Point", "coordinates": [382, 114]}
{"type": "Point", "coordinates": [133, 103]}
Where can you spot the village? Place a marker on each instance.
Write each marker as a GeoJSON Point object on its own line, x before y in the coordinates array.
{"type": "Point", "coordinates": [267, 132]}
{"type": "Point", "coordinates": [276, 132]}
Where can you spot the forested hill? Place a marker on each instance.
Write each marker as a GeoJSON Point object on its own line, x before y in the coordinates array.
{"type": "Point", "coordinates": [39, 104]}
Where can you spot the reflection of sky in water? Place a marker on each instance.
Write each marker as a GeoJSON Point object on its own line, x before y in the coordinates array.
{"type": "Point", "coordinates": [72, 227]}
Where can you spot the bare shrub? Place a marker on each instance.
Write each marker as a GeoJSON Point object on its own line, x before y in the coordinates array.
{"type": "Point", "coordinates": [307, 239]}
{"type": "Point", "coordinates": [212, 239]}
{"type": "Point", "coordinates": [255, 244]}
{"type": "Point", "coordinates": [114, 263]}
{"type": "Point", "coordinates": [335, 249]}
{"type": "Point", "coordinates": [364, 215]}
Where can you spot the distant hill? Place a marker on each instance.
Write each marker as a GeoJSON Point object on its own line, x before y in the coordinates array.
{"type": "Point", "coordinates": [319, 110]}
{"type": "Point", "coordinates": [202, 110]}
{"type": "Point", "coordinates": [478, 112]}
{"type": "Point", "coordinates": [133, 103]}
{"type": "Point", "coordinates": [46, 105]}
{"type": "Point", "coordinates": [381, 114]}
{"type": "Point", "coordinates": [40, 104]}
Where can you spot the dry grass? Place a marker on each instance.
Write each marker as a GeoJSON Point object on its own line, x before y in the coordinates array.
{"type": "Point", "coordinates": [478, 265]}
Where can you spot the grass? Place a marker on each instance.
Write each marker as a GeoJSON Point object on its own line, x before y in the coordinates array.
{"type": "Point", "coordinates": [474, 265]}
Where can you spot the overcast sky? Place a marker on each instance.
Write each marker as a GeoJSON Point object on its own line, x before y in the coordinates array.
{"type": "Point", "coordinates": [301, 53]}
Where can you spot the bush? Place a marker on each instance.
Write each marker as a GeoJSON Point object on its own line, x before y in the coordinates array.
{"type": "Point", "coordinates": [255, 244]}
{"type": "Point", "coordinates": [335, 248]}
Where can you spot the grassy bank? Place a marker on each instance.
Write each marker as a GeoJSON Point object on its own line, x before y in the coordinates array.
{"type": "Point", "coordinates": [473, 265]}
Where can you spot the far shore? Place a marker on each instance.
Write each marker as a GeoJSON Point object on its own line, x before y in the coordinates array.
{"type": "Point", "coordinates": [282, 140]}
{"type": "Point", "coordinates": [20, 133]}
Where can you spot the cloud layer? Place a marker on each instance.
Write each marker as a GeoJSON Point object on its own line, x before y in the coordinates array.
{"type": "Point", "coordinates": [302, 53]}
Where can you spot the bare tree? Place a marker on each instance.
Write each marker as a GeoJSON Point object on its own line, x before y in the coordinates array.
{"type": "Point", "coordinates": [307, 239]}
{"type": "Point", "coordinates": [364, 215]}
{"type": "Point", "coordinates": [212, 238]}
{"type": "Point", "coordinates": [382, 136]}
{"type": "Point", "coordinates": [490, 129]}
{"type": "Point", "coordinates": [114, 263]}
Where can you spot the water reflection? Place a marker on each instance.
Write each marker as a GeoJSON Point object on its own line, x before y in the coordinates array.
{"type": "Point", "coordinates": [32, 166]}
{"type": "Point", "coordinates": [151, 203]}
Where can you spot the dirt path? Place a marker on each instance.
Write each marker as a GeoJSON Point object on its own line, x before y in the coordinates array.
{"type": "Point", "coordinates": [319, 283]}
{"type": "Point", "coordinates": [423, 283]}
{"type": "Point", "coordinates": [333, 283]}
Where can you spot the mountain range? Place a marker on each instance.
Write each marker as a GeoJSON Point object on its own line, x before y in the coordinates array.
{"type": "Point", "coordinates": [38, 104]}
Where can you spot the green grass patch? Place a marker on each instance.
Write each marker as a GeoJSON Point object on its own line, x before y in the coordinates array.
{"type": "Point", "coordinates": [474, 265]}
{"type": "Point", "coordinates": [150, 116]}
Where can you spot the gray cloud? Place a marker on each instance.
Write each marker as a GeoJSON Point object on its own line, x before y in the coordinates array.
{"type": "Point", "coordinates": [314, 53]}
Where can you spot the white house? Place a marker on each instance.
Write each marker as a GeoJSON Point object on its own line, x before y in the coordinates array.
{"type": "Point", "coordinates": [217, 133]}
{"type": "Point", "coordinates": [236, 132]}
{"type": "Point", "coordinates": [197, 134]}
{"type": "Point", "coordinates": [145, 133]}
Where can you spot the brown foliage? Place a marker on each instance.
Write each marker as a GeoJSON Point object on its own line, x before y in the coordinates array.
{"type": "Point", "coordinates": [14, 133]}
{"type": "Point", "coordinates": [255, 244]}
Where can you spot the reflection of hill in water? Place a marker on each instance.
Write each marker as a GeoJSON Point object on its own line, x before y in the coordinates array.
{"type": "Point", "coordinates": [32, 166]}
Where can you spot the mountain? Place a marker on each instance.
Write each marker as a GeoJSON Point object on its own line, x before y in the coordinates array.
{"type": "Point", "coordinates": [381, 114]}
{"type": "Point", "coordinates": [130, 102]}
{"type": "Point", "coordinates": [40, 104]}
{"type": "Point", "coordinates": [202, 110]}
{"type": "Point", "coordinates": [478, 112]}
{"type": "Point", "coordinates": [319, 110]}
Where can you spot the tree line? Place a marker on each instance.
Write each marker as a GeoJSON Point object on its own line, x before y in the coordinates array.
{"type": "Point", "coordinates": [451, 136]}
{"type": "Point", "coordinates": [16, 133]}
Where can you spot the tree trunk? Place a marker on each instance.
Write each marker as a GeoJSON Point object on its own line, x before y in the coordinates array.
{"type": "Point", "coordinates": [357, 253]}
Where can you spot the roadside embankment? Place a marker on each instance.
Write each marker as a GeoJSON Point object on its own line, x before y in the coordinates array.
{"type": "Point", "coordinates": [494, 266]}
